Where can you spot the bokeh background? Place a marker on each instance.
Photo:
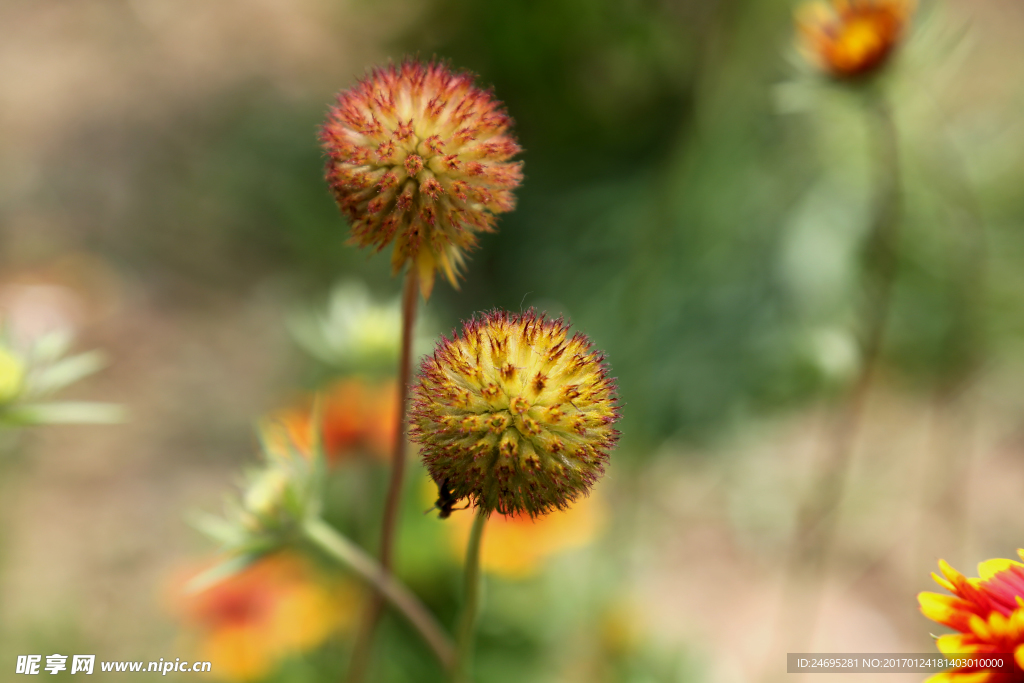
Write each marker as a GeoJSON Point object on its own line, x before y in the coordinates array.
{"type": "Point", "coordinates": [692, 201]}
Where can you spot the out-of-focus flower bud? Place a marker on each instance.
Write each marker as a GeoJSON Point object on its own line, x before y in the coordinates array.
{"type": "Point", "coordinates": [849, 39]}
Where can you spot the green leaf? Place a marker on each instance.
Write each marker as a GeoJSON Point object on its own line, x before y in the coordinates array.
{"type": "Point", "coordinates": [67, 372]}
{"type": "Point", "coordinates": [51, 346]}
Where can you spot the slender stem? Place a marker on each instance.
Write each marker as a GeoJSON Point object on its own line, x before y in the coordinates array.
{"type": "Point", "coordinates": [391, 506]}
{"type": "Point", "coordinates": [356, 559]}
{"type": "Point", "coordinates": [364, 640]}
{"type": "Point", "coordinates": [470, 600]}
{"type": "Point", "coordinates": [818, 515]}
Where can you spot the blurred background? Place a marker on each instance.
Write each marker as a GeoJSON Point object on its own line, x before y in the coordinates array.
{"type": "Point", "coordinates": [692, 202]}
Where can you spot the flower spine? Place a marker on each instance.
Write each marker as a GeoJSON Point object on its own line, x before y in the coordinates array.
{"type": "Point", "coordinates": [419, 156]}
{"type": "Point", "coordinates": [515, 414]}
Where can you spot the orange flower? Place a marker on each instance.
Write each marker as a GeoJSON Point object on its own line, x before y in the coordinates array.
{"type": "Point", "coordinates": [274, 608]}
{"type": "Point", "coordinates": [852, 38]}
{"type": "Point", "coordinates": [988, 612]}
{"type": "Point", "coordinates": [514, 546]}
{"type": "Point", "coordinates": [358, 417]}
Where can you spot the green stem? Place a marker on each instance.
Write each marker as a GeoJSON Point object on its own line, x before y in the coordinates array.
{"type": "Point", "coordinates": [355, 558]}
{"type": "Point", "coordinates": [364, 639]}
{"type": "Point", "coordinates": [470, 600]}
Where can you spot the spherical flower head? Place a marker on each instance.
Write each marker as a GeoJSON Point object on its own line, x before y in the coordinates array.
{"type": "Point", "coordinates": [988, 614]}
{"type": "Point", "coordinates": [419, 156]}
{"type": "Point", "coordinates": [848, 39]}
{"type": "Point", "coordinates": [515, 414]}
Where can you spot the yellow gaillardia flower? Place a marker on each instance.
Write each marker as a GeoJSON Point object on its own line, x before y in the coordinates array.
{"type": "Point", "coordinates": [988, 612]}
{"type": "Point", "coordinates": [419, 156]}
{"type": "Point", "coordinates": [852, 38]}
{"type": "Point", "coordinates": [515, 414]}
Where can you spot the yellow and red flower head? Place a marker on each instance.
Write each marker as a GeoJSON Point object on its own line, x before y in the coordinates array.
{"type": "Point", "coordinates": [851, 38]}
{"type": "Point", "coordinates": [515, 414]}
{"type": "Point", "coordinates": [419, 156]}
{"type": "Point", "coordinates": [250, 621]}
{"type": "Point", "coordinates": [988, 614]}
{"type": "Point", "coordinates": [358, 417]}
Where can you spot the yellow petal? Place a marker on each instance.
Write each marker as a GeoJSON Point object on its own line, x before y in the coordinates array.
{"type": "Point", "coordinates": [979, 627]}
{"type": "Point", "coordinates": [304, 617]}
{"type": "Point", "coordinates": [956, 643]}
{"type": "Point", "coordinates": [956, 676]}
{"type": "Point", "coordinates": [943, 582]}
{"type": "Point", "coordinates": [425, 272]}
{"type": "Point", "coordinates": [241, 653]}
{"type": "Point", "coordinates": [1015, 627]}
{"type": "Point", "coordinates": [951, 574]}
{"type": "Point", "coordinates": [445, 264]}
{"type": "Point", "coordinates": [940, 608]}
{"type": "Point", "coordinates": [989, 568]}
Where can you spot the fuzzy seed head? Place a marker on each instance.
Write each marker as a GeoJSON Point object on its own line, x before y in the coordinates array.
{"type": "Point", "coordinates": [418, 156]}
{"type": "Point", "coordinates": [848, 39]}
{"type": "Point", "coordinates": [515, 414]}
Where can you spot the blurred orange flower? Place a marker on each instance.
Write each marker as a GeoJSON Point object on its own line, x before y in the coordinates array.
{"type": "Point", "coordinates": [358, 417]}
{"type": "Point", "coordinates": [274, 608]}
{"type": "Point", "coordinates": [852, 38]}
{"type": "Point", "coordinates": [988, 612]}
{"type": "Point", "coordinates": [515, 546]}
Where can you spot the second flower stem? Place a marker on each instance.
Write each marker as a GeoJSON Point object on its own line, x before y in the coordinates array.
{"type": "Point", "coordinates": [364, 640]}
{"type": "Point", "coordinates": [470, 601]}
